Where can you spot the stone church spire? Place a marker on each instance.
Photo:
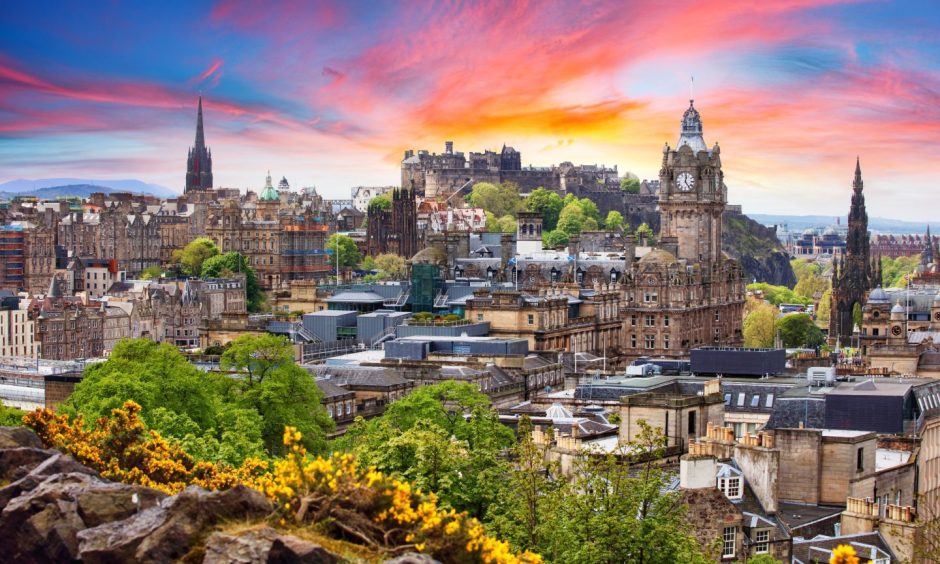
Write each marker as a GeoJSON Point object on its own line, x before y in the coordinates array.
{"type": "Point", "coordinates": [858, 273]}
{"type": "Point", "coordinates": [199, 160]}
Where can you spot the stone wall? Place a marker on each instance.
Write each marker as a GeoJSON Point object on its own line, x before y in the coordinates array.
{"type": "Point", "coordinates": [799, 476]}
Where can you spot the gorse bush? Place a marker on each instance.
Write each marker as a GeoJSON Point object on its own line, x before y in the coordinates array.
{"type": "Point", "coordinates": [334, 494]}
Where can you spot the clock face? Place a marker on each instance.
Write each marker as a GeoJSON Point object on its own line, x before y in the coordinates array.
{"type": "Point", "coordinates": [896, 330]}
{"type": "Point", "coordinates": [685, 182]}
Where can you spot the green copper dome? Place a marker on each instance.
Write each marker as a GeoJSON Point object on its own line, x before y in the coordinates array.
{"type": "Point", "coordinates": [269, 194]}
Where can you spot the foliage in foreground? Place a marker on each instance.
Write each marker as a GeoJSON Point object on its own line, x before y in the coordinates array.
{"type": "Point", "coordinates": [213, 417]}
{"type": "Point", "coordinates": [360, 505]}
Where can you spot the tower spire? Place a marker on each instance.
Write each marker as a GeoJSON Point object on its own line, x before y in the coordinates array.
{"type": "Point", "coordinates": [200, 133]}
{"type": "Point", "coordinates": [199, 160]}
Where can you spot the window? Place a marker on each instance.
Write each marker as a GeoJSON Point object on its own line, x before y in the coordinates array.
{"type": "Point", "coordinates": [727, 399]}
{"type": "Point", "coordinates": [755, 400]}
{"type": "Point", "coordinates": [649, 320]}
{"type": "Point", "coordinates": [479, 317]}
{"type": "Point", "coordinates": [728, 542]}
{"type": "Point", "coordinates": [348, 407]}
{"type": "Point", "coordinates": [874, 331]}
{"type": "Point", "coordinates": [650, 341]}
{"type": "Point", "coordinates": [531, 319]}
{"type": "Point", "coordinates": [329, 410]}
{"type": "Point", "coordinates": [650, 297]}
{"type": "Point", "coordinates": [731, 487]}
{"type": "Point", "coordinates": [665, 341]}
{"type": "Point", "coordinates": [691, 423]}
{"type": "Point", "coordinates": [762, 542]}
{"type": "Point", "coordinates": [665, 321]}
{"type": "Point", "coordinates": [740, 400]}
{"type": "Point", "coordinates": [860, 460]}
{"type": "Point", "coordinates": [770, 401]}
{"type": "Point", "coordinates": [633, 341]}
{"type": "Point", "coordinates": [633, 320]}
{"type": "Point", "coordinates": [717, 316]}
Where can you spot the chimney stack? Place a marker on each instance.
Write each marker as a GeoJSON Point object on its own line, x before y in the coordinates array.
{"type": "Point", "coordinates": [697, 472]}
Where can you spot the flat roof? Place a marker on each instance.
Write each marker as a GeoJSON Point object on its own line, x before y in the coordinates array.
{"type": "Point", "coordinates": [887, 458]}
{"type": "Point", "coordinates": [332, 313]}
{"type": "Point", "coordinates": [843, 433]}
{"type": "Point", "coordinates": [356, 297]}
{"type": "Point", "coordinates": [462, 339]}
{"type": "Point", "coordinates": [872, 388]}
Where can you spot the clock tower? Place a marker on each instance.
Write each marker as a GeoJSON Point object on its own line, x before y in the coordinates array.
{"type": "Point", "coordinates": [692, 193]}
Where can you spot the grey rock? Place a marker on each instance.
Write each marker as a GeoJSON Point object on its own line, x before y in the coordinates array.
{"type": "Point", "coordinates": [286, 549]}
{"type": "Point", "coordinates": [42, 524]}
{"type": "Point", "coordinates": [17, 462]}
{"type": "Point", "coordinates": [413, 558]}
{"type": "Point", "coordinates": [169, 530]}
{"type": "Point", "coordinates": [58, 463]}
{"type": "Point", "coordinates": [251, 547]}
{"type": "Point", "coordinates": [14, 437]}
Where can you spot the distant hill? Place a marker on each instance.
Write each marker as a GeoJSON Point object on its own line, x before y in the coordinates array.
{"type": "Point", "coordinates": [875, 224]}
{"type": "Point", "coordinates": [60, 187]}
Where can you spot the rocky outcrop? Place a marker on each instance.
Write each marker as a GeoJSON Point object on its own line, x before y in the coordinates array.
{"type": "Point", "coordinates": [53, 509]}
{"type": "Point", "coordinates": [757, 248]}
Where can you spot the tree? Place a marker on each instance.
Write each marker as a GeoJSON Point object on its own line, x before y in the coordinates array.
{"type": "Point", "coordinates": [10, 416]}
{"type": "Point", "coordinates": [349, 255]}
{"type": "Point", "coordinates": [554, 239]}
{"type": "Point", "coordinates": [896, 272]}
{"type": "Point", "coordinates": [777, 295]}
{"type": "Point", "coordinates": [590, 210]}
{"type": "Point", "coordinates": [278, 390]}
{"type": "Point", "coordinates": [548, 203]}
{"type": "Point", "coordinates": [614, 220]}
{"type": "Point", "coordinates": [759, 325]}
{"type": "Point", "coordinates": [645, 233]}
{"type": "Point", "coordinates": [379, 204]}
{"type": "Point", "coordinates": [810, 284]}
{"type": "Point", "coordinates": [523, 504]}
{"type": "Point", "coordinates": [391, 266]}
{"type": "Point", "coordinates": [151, 273]}
{"type": "Point", "coordinates": [612, 512]}
{"type": "Point", "coordinates": [507, 224]}
{"type": "Point", "coordinates": [799, 330]}
{"type": "Point", "coordinates": [502, 199]}
{"type": "Point", "coordinates": [236, 263]}
{"type": "Point", "coordinates": [571, 219]}
{"type": "Point", "coordinates": [443, 436]}
{"type": "Point", "coordinates": [630, 183]}
{"type": "Point", "coordinates": [825, 306]}
{"type": "Point", "coordinates": [192, 256]}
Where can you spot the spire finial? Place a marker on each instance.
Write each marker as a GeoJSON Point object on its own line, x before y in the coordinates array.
{"type": "Point", "coordinates": [691, 90]}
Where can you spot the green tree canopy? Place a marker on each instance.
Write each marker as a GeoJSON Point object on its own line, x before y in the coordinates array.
{"type": "Point", "coordinates": [193, 255]}
{"type": "Point", "coordinates": [10, 416]}
{"type": "Point", "coordinates": [390, 265]}
{"type": "Point", "coordinates": [895, 272]}
{"type": "Point", "coordinates": [630, 183]}
{"type": "Point", "coordinates": [151, 273]}
{"type": "Point", "coordinates": [230, 263]}
{"type": "Point", "coordinates": [645, 233]}
{"type": "Point", "coordinates": [571, 220]}
{"type": "Point", "coordinates": [616, 512]}
{"type": "Point", "coordinates": [590, 210]}
{"type": "Point", "coordinates": [777, 295]}
{"type": "Point", "coordinates": [548, 203]}
{"type": "Point", "coordinates": [799, 330]}
{"type": "Point", "coordinates": [759, 325]}
{"type": "Point", "coordinates": [379, 203]}
{"type": "Point", "coordinates": [553, 239]}
{"type": "Point", "coordinates": [614, 220]}
{"type": "Point", "coordinates": [214, 417]}
{"type": "Point", "coordinates": [498, 199]}
{"type": "Point", "coordinates": [443, 437]}
{"type": "Point", "coordinates": [349, 255]}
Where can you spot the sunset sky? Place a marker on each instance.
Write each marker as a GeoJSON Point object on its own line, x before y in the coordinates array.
{"type": "Point", "coordinates": [330, 94]}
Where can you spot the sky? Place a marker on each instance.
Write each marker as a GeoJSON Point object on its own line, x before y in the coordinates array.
{"type": "Point", "coordinates": [331, 93]}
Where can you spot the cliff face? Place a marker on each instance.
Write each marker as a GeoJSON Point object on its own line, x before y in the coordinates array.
{"type": "Point", "coordinates": [761, 255]}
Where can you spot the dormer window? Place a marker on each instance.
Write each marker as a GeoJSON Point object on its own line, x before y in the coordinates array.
{"type": "Point", "coordinates": [731, 487]}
